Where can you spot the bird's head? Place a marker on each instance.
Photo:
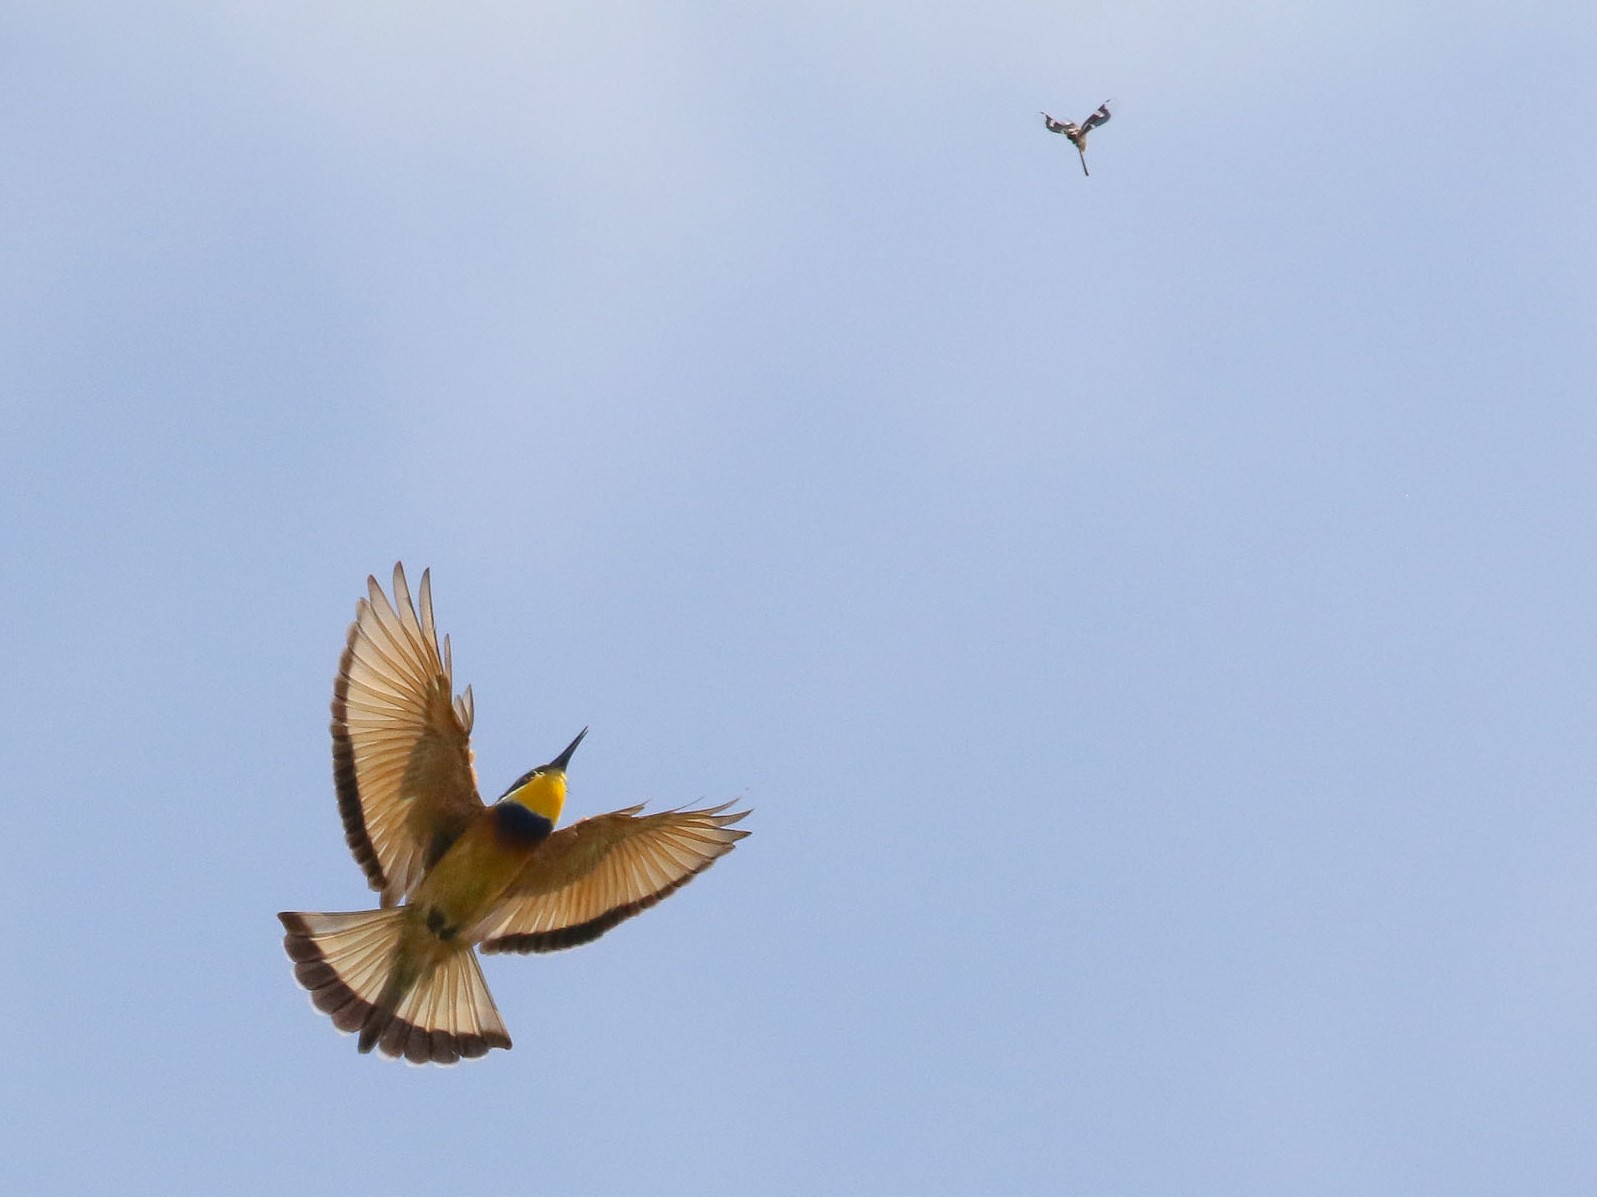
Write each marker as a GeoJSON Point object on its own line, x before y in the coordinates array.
{"type": "Point", "coordinates": [543, 790]}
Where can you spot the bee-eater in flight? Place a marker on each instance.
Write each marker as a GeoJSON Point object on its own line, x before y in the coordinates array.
{"type": "Point", "coordinates": [454, 874]}
{"type": "Point", "coordinates": [1078, 133]}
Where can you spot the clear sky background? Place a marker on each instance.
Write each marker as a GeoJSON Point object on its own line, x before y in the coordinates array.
{"type": "Point", "coordinates": [1153, 616]}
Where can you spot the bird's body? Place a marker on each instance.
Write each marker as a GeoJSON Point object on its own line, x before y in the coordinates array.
{"type": "Point", "coordinates": [453, 873]}
{"type": "Point", "coordinates": [1078, 133]}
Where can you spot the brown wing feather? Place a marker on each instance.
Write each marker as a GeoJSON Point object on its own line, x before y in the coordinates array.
{"type": "Point", "coordinates": [401, 748]}
{"type": "Point", "coordinates": [586, 878]}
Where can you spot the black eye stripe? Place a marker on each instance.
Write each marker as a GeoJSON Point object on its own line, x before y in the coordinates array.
{"type": "Point", "coordinates": [521, 781]}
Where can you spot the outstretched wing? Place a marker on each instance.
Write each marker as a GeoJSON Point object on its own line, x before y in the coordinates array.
{"type": "Point", "coordinates": [1065, 127]}
{"type": "Point", "coordinates": [401, 751]}
{"type": "Point", "coordinates": [1099, 117]}
{"type": "Point", "coordinates": [586, 878]}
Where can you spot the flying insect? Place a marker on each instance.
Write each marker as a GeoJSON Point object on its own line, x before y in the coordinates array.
{"type": "Point", "coordinates": [1078, 133]}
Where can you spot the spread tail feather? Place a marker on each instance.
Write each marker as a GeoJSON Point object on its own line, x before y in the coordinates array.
{"type": "Point", "coordinates": [348, 962]}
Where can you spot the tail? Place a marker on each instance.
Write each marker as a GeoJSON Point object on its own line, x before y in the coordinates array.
{"type": "Point", "coordinates": [349, 964]}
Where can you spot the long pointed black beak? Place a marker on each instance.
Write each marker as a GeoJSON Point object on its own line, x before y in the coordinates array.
{"type": "Point", "coordinates": [558, 765]}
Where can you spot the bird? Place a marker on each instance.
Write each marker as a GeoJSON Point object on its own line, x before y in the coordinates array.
{"type": "Point", "coordinates": [453, 873]}
{"type": "Point", "coordinates": [1078, 133]}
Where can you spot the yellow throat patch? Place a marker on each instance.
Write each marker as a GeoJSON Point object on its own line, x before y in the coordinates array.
{"type": "Point", "coordinates": [541, 793]}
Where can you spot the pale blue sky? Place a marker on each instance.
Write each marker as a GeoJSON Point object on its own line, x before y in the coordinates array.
{"type": "Point", "coordinates": [1152, 615]}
